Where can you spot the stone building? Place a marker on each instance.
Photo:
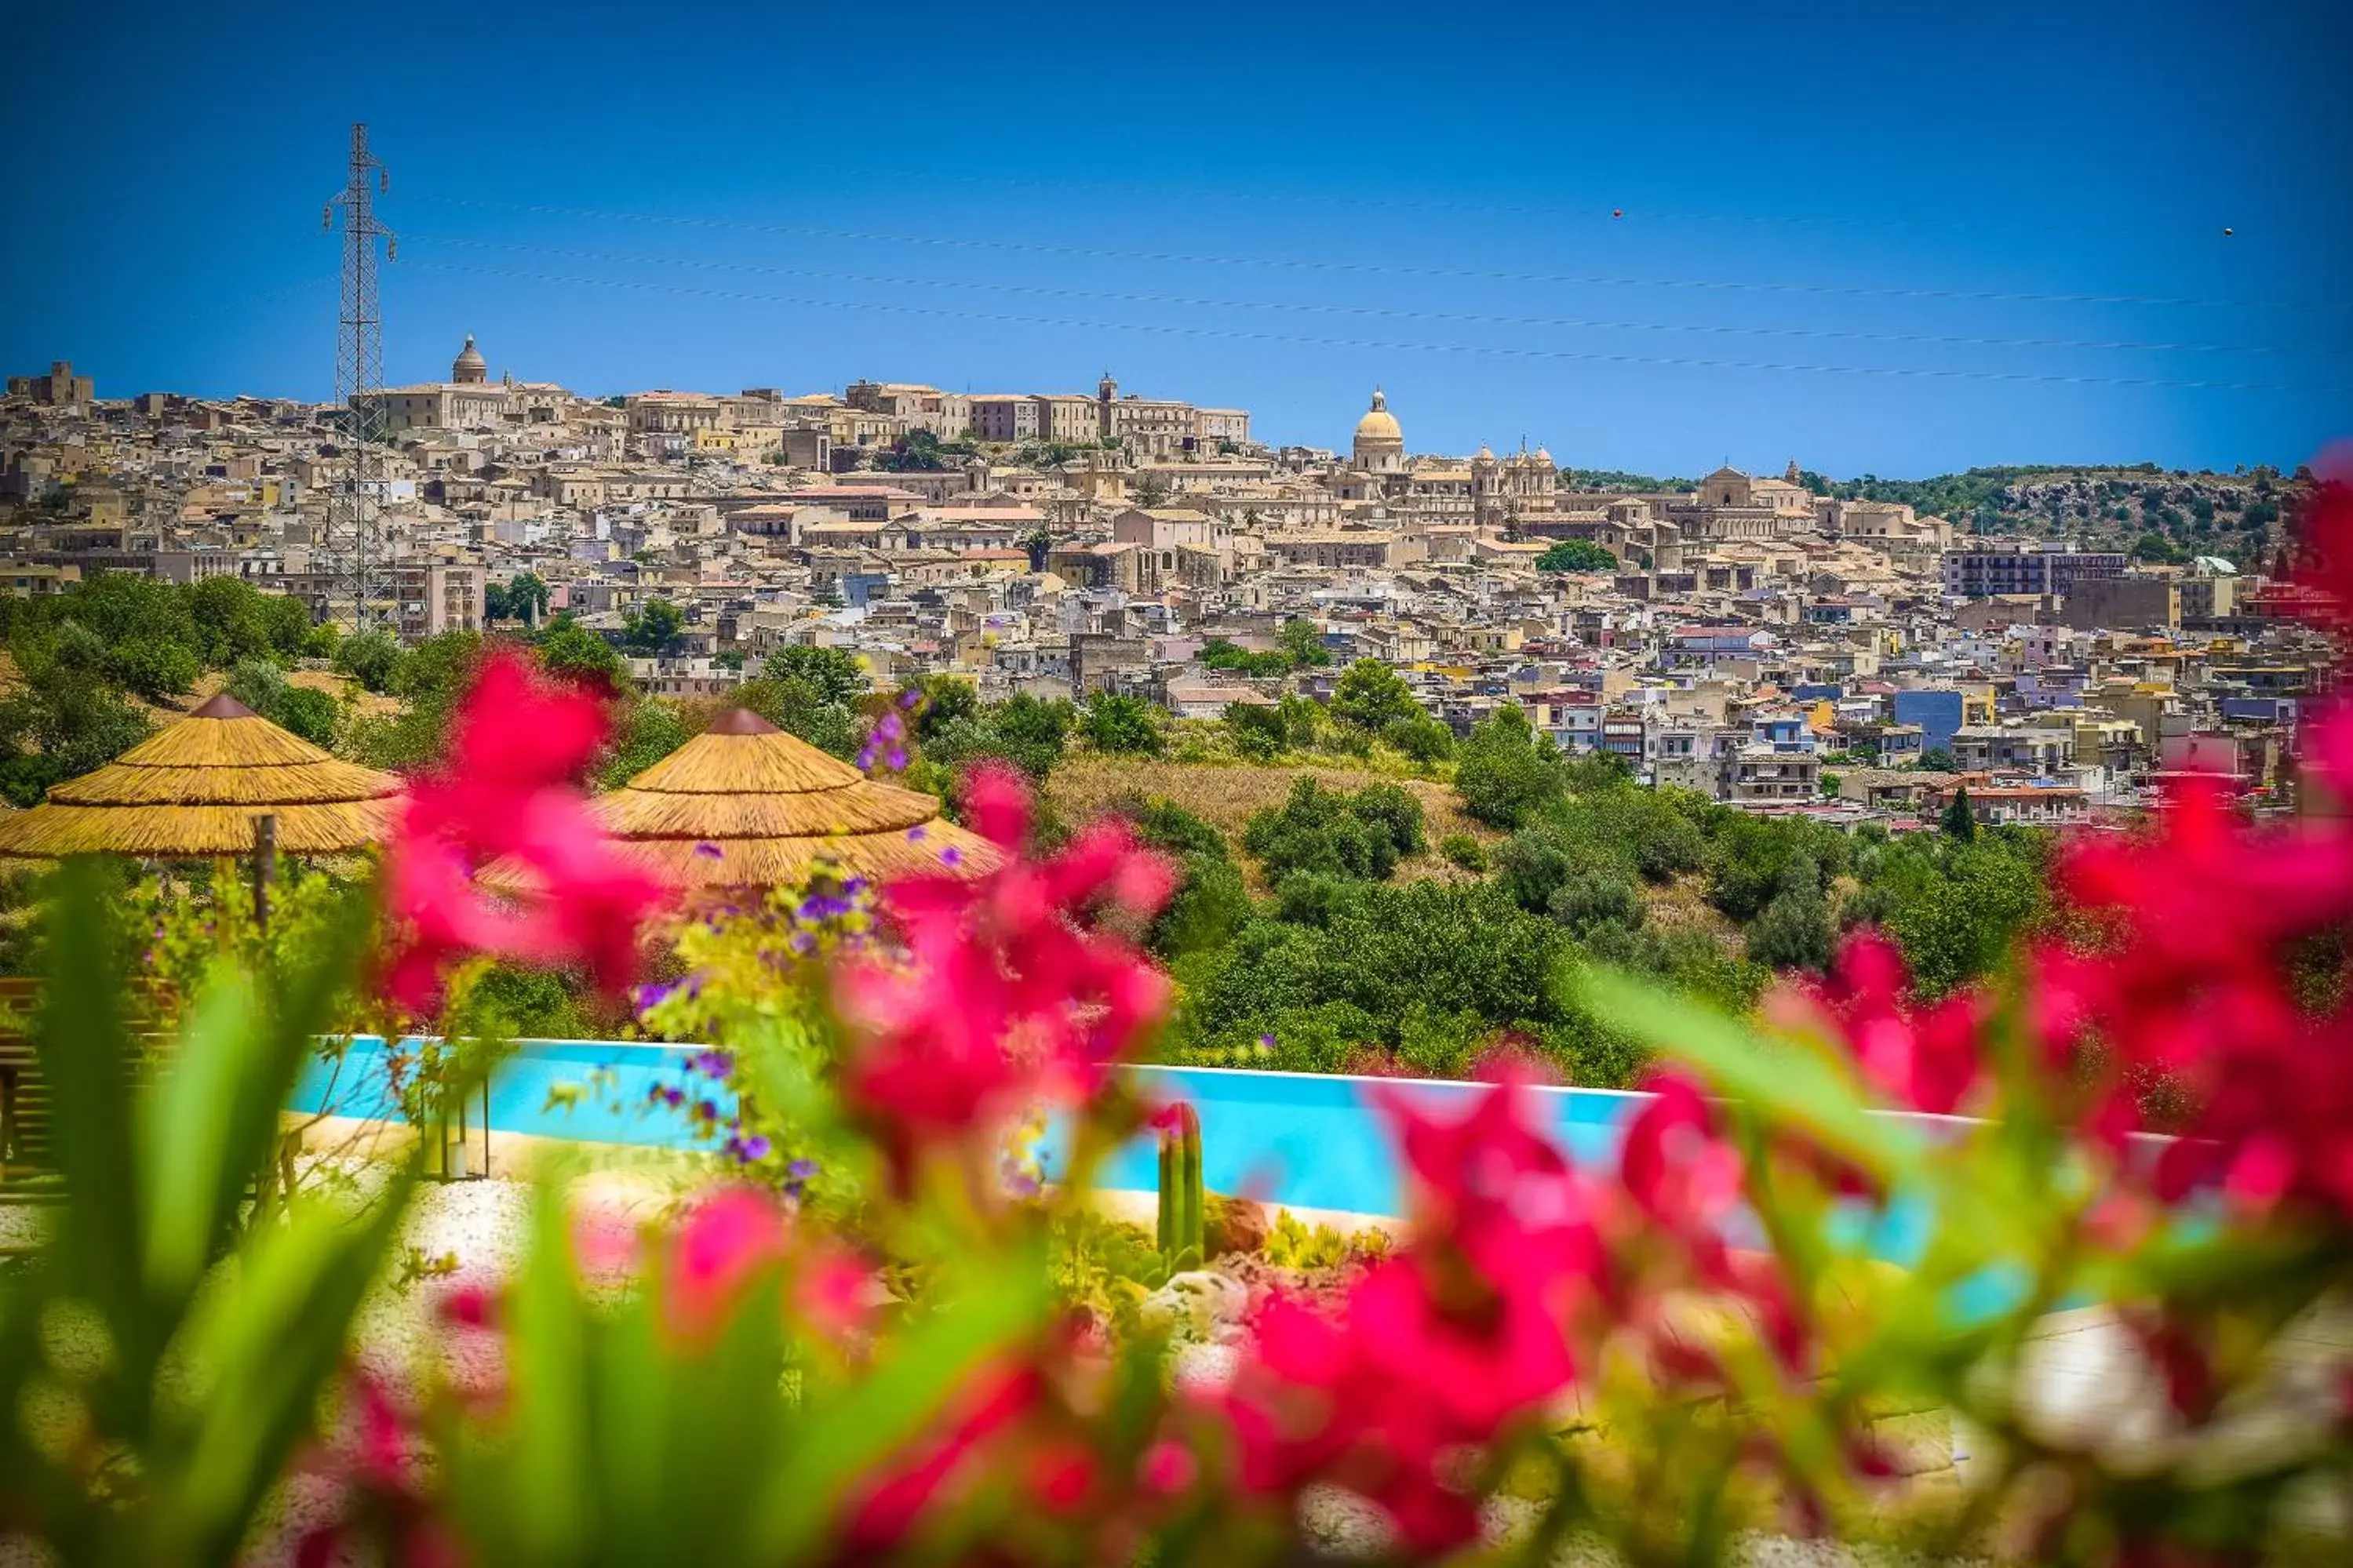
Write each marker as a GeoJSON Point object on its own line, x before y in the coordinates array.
{"type": "Point", "coordinates": [60, 388]}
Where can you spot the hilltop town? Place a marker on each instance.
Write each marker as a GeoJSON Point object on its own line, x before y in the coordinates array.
{"type": "Point", "coordinates": [1779, 642]}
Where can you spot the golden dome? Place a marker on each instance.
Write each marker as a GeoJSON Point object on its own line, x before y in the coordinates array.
{"type": "Point", "coordinates": [468, 368]}
{"type": "Point", "coordinates": [1378, 428]}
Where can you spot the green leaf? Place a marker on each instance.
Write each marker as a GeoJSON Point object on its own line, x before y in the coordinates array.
{"type": "Point", "coordinates": [183, 1128]}
{"type": "Point", "coordinates": [550, 1430]}
{"type": "Point", "coordinates": [849, 1436]}
{"type": "Point", "coordinates": [1789, 1087]}
{"type": "Point", "coordinates": [265, 1346]}
{"type": "Point", "coordinates": [85, 1055]}
{"type": "Point", "coordinates": [212, 1122]}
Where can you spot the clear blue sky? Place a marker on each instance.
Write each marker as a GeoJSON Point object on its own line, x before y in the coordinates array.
{"type": "Point", "coordinates": [1116, 192]}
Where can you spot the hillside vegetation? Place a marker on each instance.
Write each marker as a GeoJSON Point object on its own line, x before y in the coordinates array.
{"type": "Point", "coordinates": [2155, 514]}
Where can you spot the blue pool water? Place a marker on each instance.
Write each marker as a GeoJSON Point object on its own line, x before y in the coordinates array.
{"type": "Point", "coordinates": [1296, 1139]}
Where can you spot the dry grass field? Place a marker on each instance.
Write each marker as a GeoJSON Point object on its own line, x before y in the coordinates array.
{"type": "Point", "coordinates": [1084, 786]}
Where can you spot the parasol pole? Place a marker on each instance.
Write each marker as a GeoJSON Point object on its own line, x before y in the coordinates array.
{"type": "Point", "coordinates": [265, 868]}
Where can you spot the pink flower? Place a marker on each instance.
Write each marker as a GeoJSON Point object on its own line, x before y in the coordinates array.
{"type": "Point", "coordinates": [728, 1240]}
{"type": "Point", "coordinates": [1436, 1350]}
{"type": "Point", "coordinates": [506, 789]}
{"type": "Point", "coordinates": [1925, 1058]}
{"type": "Point", "coordinates": [2327, 534]}
{"type": "Point", "coordinates": [1009, 992]}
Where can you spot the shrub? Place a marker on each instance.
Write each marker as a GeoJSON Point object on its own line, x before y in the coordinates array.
{"type": "Point", "coordinates": [1423, 738]}
{"type": "Point", "coordinates": [1370, 697]}
{"type": "Point", "coordinates": [154, 668]}
{"type": "Point", "coordinates": [1334, 833]}
{"type": "Point", "coordinates": [1259, 733]}
{"type": "Point", "coordinates": [1461, 849]}
{"type": "Point", "coordinates": [372, 658]}
{"type": "Point", "coordinates": [1505, 771]}
{"type": "Point", "coordinates": [1117, 723]}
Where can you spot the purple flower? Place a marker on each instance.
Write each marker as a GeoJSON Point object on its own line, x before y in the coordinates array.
{"type": "Point", "coordinates": [915, 834]}
{"type": "Point", "coordinates": [951, 855]}
{"type": "Point", "coordinates": [755, 1147]}
{"type": "Point", "coordinates": [711, 1064]}
{"type": "Point", "coordinates": [706, 1111]}
{"type": "Point", "coordinates": [799, 1169]}
{"type": "Point", "coordinates": [1266, 1040]}
{"type": "Point", "coordinates": [652, 995]}
{"type": "Point", "coordinates": [897, 759]}
{"type": "Point", "coordinates": [710, 849]}
{"type": "Point", "coordinates": [910, 698]}
{"type": "Point", "coordinates": [675, 1097]}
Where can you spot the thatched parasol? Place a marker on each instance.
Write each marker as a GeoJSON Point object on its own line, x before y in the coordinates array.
{"type": "Point", "coordinates": [192, 792]}
{"type": "Point", "coordinates": [745, 804]}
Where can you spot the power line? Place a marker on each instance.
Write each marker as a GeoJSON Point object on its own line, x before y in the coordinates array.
{"type": "Point", "coordinates": [1242, 335]}
{"type": "Point", "coordinates": [1382, 311]}
{"type": "Point", "coordinates": [1613, 212]}
{"type": "Point", "coordinates": [1105, 253]}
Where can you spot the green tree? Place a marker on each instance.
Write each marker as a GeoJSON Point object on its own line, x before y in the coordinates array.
{"type": "Point", "coordinates": [528, 597]}
{"type": "Point", "coordinates": [946, 700]}
{"type": "Point", "coordinates": [1961, 824]}
{"type": "Point", "coordinates": [61, 723]}
{"type": "Point", "coordinates": [261, 686]}
{"type": "Point", "coordinates": [1151, 491]}
{"type": "Point", "coordinates": [570, 649]}
{"type": "Point", "coordinates": [287, 621]}
{"type": "Point", "coordinates": [1793, 932]}
{"type": "Point", "coordinates": [654, 630]}
{"type": "Point", "coordinates": [836, 672]}
{"type": "Point", "coordinates": [1330, 833]}
{"type": "Point", "coordinates": [1304, 644]}
{"type": "Point", "coordinates": [1576, 556]}
{"type": "Point", "coordinates": [1257, 730]}
{"type": "Point", "coordinates": [1118, 723]}
{"type": "Point", "coordinates": [153, 667]}
{"type": "Point", "coordinates": [1370, 695]}
{"type": "Point", "coordinates": [650, 728]}
{"type": "Point", "coordinates": [1030, 732]}
{"type": "Point", "coordinates": [798, 707]}
{"type": "Point", "coordinates": [1957, 910]}
{"type": "Point", "coordinates": [1421, 737]}
{"type": "Point", "coordinates": [1936, 759]}
{"type": "Point", "coordinates": [372, 658]}
{"type": "Point", "coordinates": [1505, 771]}
{"type": "Point", "coordinates": [226, 613]}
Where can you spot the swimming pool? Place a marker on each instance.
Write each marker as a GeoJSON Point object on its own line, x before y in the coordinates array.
{"type": "Point", "coordinates": [1304, 1141]}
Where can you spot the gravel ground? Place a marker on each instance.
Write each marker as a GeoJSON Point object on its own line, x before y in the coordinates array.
{"type": "Point", "coordinates": [474, 1233]}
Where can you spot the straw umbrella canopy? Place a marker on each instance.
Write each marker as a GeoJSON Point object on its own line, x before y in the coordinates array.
{"type": "Point", "coordinates": [745, 804]}
{"type": "Point", "coordinates": [192, 792]}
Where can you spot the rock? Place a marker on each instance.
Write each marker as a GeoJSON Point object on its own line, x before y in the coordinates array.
{"type": "Point", "coordinates": [1193, 1306]}
{"type": "Point", "coordinates": [1204, 1369]}
{"type": "Point", "coordinates": [1236, 1225]}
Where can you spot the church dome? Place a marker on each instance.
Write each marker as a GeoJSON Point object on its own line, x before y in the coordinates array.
{"type": "Point", "coordinates": [1377, 431]}
{"type": "Point", "coordinates": [469, 366]}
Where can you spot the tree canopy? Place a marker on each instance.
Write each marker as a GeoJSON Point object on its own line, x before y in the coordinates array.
{"type": "Point", "coordinates": [1576, 556]}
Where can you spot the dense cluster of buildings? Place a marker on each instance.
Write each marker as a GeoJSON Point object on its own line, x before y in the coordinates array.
{"type": "Point", "coordinates": [1779, 649]}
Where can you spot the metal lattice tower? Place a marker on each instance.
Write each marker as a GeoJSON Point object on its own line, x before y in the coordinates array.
{"type": "Point", "coordinates": [354, 542]}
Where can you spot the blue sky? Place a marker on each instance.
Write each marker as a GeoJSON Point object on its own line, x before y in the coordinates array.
{"type": "Point", "coordinates": [1278, 207]}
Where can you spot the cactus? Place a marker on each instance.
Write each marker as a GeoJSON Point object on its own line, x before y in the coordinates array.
{"type": "Point", "coordinates": [1183, 1209]}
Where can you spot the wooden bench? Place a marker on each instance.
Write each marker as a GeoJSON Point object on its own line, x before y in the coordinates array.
{"type": "Point", "coordinates": [26, 1112]}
